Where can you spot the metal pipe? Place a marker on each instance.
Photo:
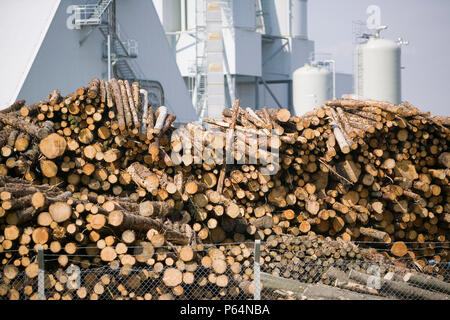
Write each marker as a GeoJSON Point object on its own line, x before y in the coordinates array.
{"type": "Point", "coordinates": [111, 34]}
{"type": "Point", "coordinates": [277, 81]}
{"type": "Point", "coordinates": [113, 17]}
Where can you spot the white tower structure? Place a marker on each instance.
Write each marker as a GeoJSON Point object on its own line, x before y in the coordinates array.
{"type": "Point", "coordinates": [378, 68]}
{"type": "Point", "coordinates": [263, 43]}
{"type": "Point", "coordinates": [215, 85]}
{"type": "Point", "coordinates": [54, 44]}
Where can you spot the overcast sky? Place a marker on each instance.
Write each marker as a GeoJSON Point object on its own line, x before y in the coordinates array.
{"type": "Point", "coordinates": [424, 23]}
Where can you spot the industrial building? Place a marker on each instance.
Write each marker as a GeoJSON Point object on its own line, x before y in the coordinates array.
{"type": "Point", "coordinates": [193, 56]}
{"type": "Point", "coordinates": [65, 44]}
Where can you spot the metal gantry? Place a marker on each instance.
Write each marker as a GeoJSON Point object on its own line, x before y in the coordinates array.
{"type": "Point", "coordinates": [119, 51]}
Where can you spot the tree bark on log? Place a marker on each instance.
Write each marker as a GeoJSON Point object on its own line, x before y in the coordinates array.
{"type": "Point", "coordinates": [119, 103]}
{"type": "Point", "coordinates": [313, 291]}
{"type": "Point", "coordinates": [143, 177]}
{"type": "Point", "coordinates": [427, 282]}
{"type": "Point", "coordinates": [32, 129]}
{"type": "Point", "coordinates": [16, 106]}
{"type": "Point", "coordinates": [126, 220]}
{"type": "Point", "coordinates": [398, 288]}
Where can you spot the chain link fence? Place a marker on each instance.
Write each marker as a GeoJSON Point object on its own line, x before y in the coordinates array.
{"type": "Point", "coordinates": [251, 272]}
{"type": "Point", "coordinates": [354, 280]}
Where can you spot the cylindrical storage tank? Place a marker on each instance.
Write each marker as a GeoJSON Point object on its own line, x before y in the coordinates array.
{"type": "Point", "coordinates": [299, 15]}
{"type": "Point", "coordinates": [312, 86]}
{"type": "Point", "coordinates": [378, 67]}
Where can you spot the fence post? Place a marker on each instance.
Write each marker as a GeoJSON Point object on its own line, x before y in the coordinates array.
{"type": "Point", "coordinates": [256, 272]}
{"type": "Point", "coordinates": [41, 281]}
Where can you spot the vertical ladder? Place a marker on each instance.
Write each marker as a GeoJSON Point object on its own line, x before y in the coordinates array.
{"type": "Point", "coordinates": [228, 23]}
{"type": "Point", "coordinates": [359, 78]}
{"type": "Point", "coordinates": [359, 31]}
{"type": "Point", "coordinates": [215, 87]}
{"type": "Point", "coordinates": [199, 94]}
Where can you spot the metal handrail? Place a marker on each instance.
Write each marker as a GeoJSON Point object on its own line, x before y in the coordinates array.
{"type": "Point", "coordinates": [86, 12]}
{"type": "Point", "coordinates": [129, 45]}
{"type": "Point", "coordinates": [90, 13]}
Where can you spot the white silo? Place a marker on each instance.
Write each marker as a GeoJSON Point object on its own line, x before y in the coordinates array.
{"type": "Point", "coordinates": [378, 69]}
{"type": "Point", "coordinates": [312, 86]}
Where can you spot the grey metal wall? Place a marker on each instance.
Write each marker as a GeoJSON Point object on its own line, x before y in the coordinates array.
{"type": "Point", "coordinates": [62, 63]}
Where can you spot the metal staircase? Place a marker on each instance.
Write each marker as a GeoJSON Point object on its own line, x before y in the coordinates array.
{"type": "Point", "coordinates": [122, 48]}
{"type": "Point", "coordinates": [123, 70]}
{"type": "Point", "coordinates": [198, 90]}
{"type": "Point", "coordinates": [91, 14]}
{"type": "Point", "coordinates": [121, 51]}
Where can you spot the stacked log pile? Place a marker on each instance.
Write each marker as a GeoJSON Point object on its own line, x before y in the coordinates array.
{"type": "Point", "coordinates": [354, 170]}
{"type": "Point", "coordinates": [307, 258]}
{"type": "Point", "coordinates": [98, 174]}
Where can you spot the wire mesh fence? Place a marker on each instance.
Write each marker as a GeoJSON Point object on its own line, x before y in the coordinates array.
{"type": "Point", "coordinates": [354, 280]}
{"type": "Point", "coordinates": [337, 270]}
{"type": "Point", "coordinates": [229, 273]}
{"type": "Point", "coordinates": [143, 284]}
{"type": "Point", "coordinates": [213, 274]}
